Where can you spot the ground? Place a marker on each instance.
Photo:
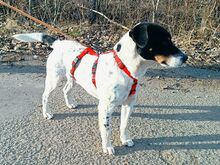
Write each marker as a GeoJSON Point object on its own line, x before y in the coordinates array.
{"type": "Point", "coordinates": [176, 120]}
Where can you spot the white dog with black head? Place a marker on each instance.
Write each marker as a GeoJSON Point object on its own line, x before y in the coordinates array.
{"type": "Point", "coordinates": [116, 72]}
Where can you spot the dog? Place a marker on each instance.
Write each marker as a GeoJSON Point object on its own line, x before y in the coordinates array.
{"type": "Point", "coordinates": [115, 81]}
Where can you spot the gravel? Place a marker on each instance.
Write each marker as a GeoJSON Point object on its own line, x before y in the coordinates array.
{"type": "Point", "coordinates": [176, 120]}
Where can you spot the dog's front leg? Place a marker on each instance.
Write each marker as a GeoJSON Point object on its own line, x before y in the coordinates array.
{"type": "Point", "coordinates": [105, 112]}
{"type": "Point", "coordinates": [126, 111]}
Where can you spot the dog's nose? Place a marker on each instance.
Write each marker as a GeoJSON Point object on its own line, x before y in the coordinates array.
{"type": "Point", "coordinates": [184, 58]}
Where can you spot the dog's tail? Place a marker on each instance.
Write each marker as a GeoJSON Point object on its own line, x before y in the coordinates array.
{"type": "Point", "coordinates": [35, 37]}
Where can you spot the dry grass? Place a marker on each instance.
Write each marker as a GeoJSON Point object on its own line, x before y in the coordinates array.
{"type": "Point", "coordinates": [194, 24]}
{"type": "Point", "coordinates": [176, 15]}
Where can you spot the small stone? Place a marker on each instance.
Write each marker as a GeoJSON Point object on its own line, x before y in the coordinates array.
{"type": "Point", "coordinates": [35, 57]}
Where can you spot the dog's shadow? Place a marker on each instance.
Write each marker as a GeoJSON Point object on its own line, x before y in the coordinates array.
{"type": "Point", "coordinates": [76, 113]}
{"type": "Point", "coordinates": [195, 142]}
{"type": "Point", "coordinates": [199, 113]}
{"type": "Point", "coordinates": [198, 142]}
{"type": "Point", "coordinates": [182, 72]}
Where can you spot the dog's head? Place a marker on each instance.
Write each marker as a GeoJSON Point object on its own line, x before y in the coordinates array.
{"type": "Point", "coordinates": [153, 42]}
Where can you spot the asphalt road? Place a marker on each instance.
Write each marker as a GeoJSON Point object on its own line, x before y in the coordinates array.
{"type": "Point", "coordinates": [176, 120]}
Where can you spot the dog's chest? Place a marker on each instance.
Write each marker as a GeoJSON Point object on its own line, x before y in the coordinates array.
{"type": "Point", "coordinates": [111, 83]}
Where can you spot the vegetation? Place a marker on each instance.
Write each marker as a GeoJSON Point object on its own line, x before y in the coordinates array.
{"type": "Point", "coordinates": [176, 15]}
{"type": "Point", "coordinates": [195, 24]}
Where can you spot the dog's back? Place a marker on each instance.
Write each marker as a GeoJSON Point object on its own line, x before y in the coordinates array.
{"type": "Point", "coordinates": [63, 54]}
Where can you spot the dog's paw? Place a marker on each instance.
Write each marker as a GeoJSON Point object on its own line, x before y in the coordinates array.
{"type": "Point", "coordinates": [72, 106]}
{"type": "Point", "coordinates": [48, 116]}
{"type": "Point", "coordinates": [128, 143]}
{"type": "Point", "coordinates": [109, 150]}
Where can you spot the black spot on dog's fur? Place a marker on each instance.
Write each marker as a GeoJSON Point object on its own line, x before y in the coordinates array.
{"type": "Point", "coordinates": [107, 122]}
{"type": "Point", "coordinates": [48, 39]}
{"type": "Point", "coordinates": [118, 48]}
{"type": "Point", "coordinates": [151, 40]}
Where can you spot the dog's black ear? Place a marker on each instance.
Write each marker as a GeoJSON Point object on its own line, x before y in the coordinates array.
{"type": "Point", "coordinates": [139, 34]}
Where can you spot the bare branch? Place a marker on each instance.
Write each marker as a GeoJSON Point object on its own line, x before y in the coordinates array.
{"type": "Point", "coordinates": [97, 12]}
{"type": "Point", "coordinates": [155, 7]}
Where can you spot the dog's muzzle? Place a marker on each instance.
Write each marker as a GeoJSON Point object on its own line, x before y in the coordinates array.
{"type": "Point", "coordinates": [175, 60]}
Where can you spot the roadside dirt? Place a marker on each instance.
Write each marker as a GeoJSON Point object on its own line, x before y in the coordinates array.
{"type": "Point", "coordinates": [203, 51]}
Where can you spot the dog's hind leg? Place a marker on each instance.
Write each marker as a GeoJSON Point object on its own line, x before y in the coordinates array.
{"type": "Point", "coordinates": [126, 111]}
{"type": "Point", "coordinates": [50, 84]}
{"type": "Point", "coordinates": [66, 89]}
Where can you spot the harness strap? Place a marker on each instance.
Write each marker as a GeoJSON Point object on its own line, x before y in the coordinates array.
{"type": "Point", "coordinates": [122, 66]}
{"type": "Point", "coordinates": [77, 60]}
{"type": "Point", "coordinates": [94, 67]}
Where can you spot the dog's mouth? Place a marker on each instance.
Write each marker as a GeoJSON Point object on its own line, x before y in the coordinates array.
{"type": "Point", "coordinates": [161, 59]}
{"type": "Point", "coordinates": [172, 60]}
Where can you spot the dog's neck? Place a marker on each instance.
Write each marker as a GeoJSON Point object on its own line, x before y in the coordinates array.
{"type": "Point", "coordinates": [129, 56]}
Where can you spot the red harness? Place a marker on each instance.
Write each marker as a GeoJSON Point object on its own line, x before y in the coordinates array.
{"type": "Point", "coordinates": [121, 65]}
